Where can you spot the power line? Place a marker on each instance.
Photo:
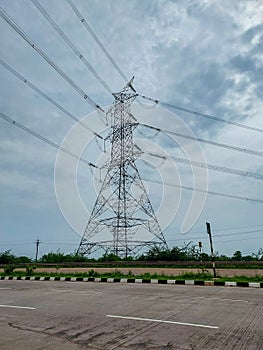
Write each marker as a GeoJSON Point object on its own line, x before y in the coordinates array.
{"type": "Point", "coordinates": [237, 227]}
{"type": "Point", "coordinates": [208, 166]}
{"type": "Point", "coordinates": [48, 98]}
{"type": "Point", "coordinates": [71, 45]}
{"type": "Point", "coordinates": [42, 138]}
{"type": "Point", "coordinates": [12, 23]}
{"type": "Point", "coordinates": [243, 239]}
{"type": "Point", "coordinates": [171, 240]}
{"type": "Point", "coordinates": [227, 229]}
{"type": "Point", "coordinates": [215, 236]}
{"type": "Point", "coordinates": [53, 144]}
{"type": "Point", "coordinates": [203, 237]}
{"type": "Point", "coordinates": [237, 233]}
{"type": "Point", "coordinates": [213, 143]}
{"type": "Point", "coordinates": [94, 36]}
{"type": "Point", "coordinates": [190, 111]}
{"type": "Point", "coordinates": [205, 191]}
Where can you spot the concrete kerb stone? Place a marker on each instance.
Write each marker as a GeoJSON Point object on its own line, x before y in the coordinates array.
{"type": "Point", "coordinates": [230, 284]}
{"type": "Point", "coordinates": [189, 282]}
{"type": "Point", "coordinates": [209, 283]}
{"type": "Point", "coordinates": [254, 285]}
{"type": "Point", "coordinates": [170, 281]}
{"type": "Point", "coordinates": [136, 280]}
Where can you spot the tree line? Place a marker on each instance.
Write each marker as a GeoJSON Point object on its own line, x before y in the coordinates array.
{"type": "Point", "coordinates": [185, 253]}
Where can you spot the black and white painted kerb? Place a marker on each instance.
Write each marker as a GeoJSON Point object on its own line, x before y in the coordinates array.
{"type": "Point", "coordinates": [135, 280]}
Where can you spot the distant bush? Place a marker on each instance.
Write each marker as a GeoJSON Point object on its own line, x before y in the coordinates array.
{"type": "Point", "coordinates": [30, 270]}
{"type": "Point", "coordinates": [92, 273]}
{"type": "Point", "coordinates": [109, 257]}
{"type": "Point", "coordinates": [196, 276]}
{"type": "Point", "coordinates": [23, 260]}
{"type": "Point", "coordinates": [59, 257]}
{"type": "Point", "coordinates": [8, 269]}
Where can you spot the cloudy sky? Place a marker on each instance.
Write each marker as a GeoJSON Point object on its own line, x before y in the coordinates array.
{"type": "Point", "coordinates": [202, 55]}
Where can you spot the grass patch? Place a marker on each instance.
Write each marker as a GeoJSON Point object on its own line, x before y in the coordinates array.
{"type": "Point", "coordinates": [201, 276]}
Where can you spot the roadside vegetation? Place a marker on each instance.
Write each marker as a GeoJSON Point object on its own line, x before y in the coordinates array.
{"type": "Point", "coordinates": [187, 253]}
{"type": "Point", "coordinates": [200, 276]}
{"type": "Point", "coordinates": [187, 256]}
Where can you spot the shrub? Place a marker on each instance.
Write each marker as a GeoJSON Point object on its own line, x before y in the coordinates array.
{"type": "Point", "coordinates": [8, 269]}
{"type": "Point", "coordinates": [30, 270]}
{"type": "Point", "coordinates": [92, 273]}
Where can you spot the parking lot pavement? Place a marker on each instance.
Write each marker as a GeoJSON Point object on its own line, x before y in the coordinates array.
{"type": "Point", "coordinates": [72, 315]}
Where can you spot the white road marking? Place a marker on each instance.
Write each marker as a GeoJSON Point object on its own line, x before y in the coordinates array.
{"type": "Point", "coordinates": [19, 307]}
{"type": "Point", "coordinates": [163, 321]}
{"type": "Point", "coordinates": [76, 291]}
{"type": "Point", "coordinates": [239, 300]}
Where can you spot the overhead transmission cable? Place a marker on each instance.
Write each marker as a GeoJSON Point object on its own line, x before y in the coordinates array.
{"type": "Point", "coordinates": [190, 111]}
{"type": "Point", "coordinates": [215, 236]}
{"type": "Point", "coordinates": [236, 227]}
{"type": "Point", "coordinates": [42, 138]}
{"type": "Point", "coordinates": [237, 233]}
{"type": "Point", "coordinates": [94, 36]}
{"type": "Point", "coordinates": [208, 166]}
{"type": "Point", "coordinates": [189, 188]}
{"type": "Point", "coordinates": [48, 98]}
{"type": "Point", "coordinates": [53, 144]}
{"type": "Point", "coordinates": [224, 229]}
{"type": "Point", "coordinates": [71, 45]}
{"type": "Point", "coordinates": [203, 237]}
{"type": "Point", "coordinates": [12, 23]}
{"type": "Point", "coordinates": [243, 239]}
{"type": "Point", "coordinates": [213, 143]}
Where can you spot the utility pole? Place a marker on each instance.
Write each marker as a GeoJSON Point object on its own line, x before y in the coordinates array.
{"type": "Point", "coordinates": [200, 245]}
{"type": "Point", "coordinates": [208, 228]}
{"type": "Point", "coordinates": [37, 247]}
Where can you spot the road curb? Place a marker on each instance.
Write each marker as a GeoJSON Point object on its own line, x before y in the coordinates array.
{"type": "Point", "coordinates": [134, 280]}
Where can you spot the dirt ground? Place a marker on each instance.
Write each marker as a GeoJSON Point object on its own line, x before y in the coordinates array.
{"type": "Point", "coordinates": [151, 270]}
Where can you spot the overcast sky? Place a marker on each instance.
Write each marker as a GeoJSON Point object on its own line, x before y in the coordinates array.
{"type": "Point", "coordinates": [203, 55]}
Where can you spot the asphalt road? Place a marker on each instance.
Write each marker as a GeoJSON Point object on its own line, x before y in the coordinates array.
{"type": "Point", "coordinates": [76, 315]}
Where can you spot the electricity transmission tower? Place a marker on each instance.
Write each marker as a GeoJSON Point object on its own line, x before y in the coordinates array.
{"type": "Point", "coordinates": [122, 213]}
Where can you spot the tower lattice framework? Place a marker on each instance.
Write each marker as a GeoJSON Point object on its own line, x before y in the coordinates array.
{"type": "Point", "coordinates": [122, 213]}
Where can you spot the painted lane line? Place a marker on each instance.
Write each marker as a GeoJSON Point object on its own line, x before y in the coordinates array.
{"type": "Point", "coordinates": [75, 291]}
{"type": "Point", "coordinates": [19, 307]}
{"type": "Point", "coordinates": [238, 300]}
{"type": "Point", "coordinates": [163, 321]}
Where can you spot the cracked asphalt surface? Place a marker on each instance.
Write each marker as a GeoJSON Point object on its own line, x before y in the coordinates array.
{"type": "Point", "coordinates": [76, 315]}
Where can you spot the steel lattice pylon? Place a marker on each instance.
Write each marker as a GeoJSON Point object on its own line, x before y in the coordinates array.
{"type": "Point", "coordinates": [122, 208]}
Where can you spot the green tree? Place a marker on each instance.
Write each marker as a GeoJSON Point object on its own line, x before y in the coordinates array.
{"type": "Point", "coordinates": [7, 258]}
{"type": "Point", "coordinates": [59, 257]}
{"type": "Point", "coordinates": [109, 257]}
{"type": "Point", "coordinates": [205, 257]}
{"type": "Point", "coordinates": [23, 260]}
{"type": "Point", "coordinates": [259, 255]}
{"type": "Point", "coordinates": [237, 256]}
